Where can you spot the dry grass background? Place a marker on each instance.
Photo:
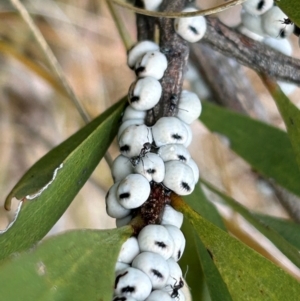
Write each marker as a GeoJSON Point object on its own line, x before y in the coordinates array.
{"type": "Point", "coordinates": [34, 116]}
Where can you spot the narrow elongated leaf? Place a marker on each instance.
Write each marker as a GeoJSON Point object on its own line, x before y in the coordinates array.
{"type": "Point", "coordinates": [247, 274]}
{"type": "Point", "coordinates": [289, 113]}
{"type": "Point", "coordinates": [51, 184]}
{"type": "Point", "coordinates": [266, 148]}
{"type": "Point", "coordinates": [78, 265]}
{"type": "Point", "coordinates": [291, 8]}
{"type": "Point", "coordinates": [216, 286]}
{"type": "Point", "coordinates": [287, 249]}
{"type": "Point", "coordinates": [191, 267]}
{"type": "Point", "coordinates": [287, 229]}
{"type": "Point", "coordinates": [198, 201]}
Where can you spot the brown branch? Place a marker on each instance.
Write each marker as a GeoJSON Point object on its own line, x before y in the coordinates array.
{"type": "Point", "coordinates": [250, 53]}
{"type": "Point", "coordinates": [177, 52]}
{"type": "Point", "coordinates": [227, 80]}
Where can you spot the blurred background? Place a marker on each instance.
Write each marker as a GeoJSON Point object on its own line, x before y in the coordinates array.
{"type": "Point", "coordinates": [35, 116]}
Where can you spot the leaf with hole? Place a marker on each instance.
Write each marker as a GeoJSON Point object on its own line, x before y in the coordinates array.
{"type": "Point", "coordinates": [50, 185]}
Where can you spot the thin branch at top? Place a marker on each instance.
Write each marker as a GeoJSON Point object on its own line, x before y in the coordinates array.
{"type": "Point", "coordinates": [204, 12]}
{"type": "Point", "coordinates": [250, 53]}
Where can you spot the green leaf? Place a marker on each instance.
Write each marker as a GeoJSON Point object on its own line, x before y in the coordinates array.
{"type": "Point", "coordinates": [198, 201]}
{"type": "Point", "coordinates": [287, 249]}
{"type": "Point", "coordinates": [247, 274]}
{"type": "Point", "coordinates": [216, 286]}
{"type": "Point", "coordinates": [55, 180]}
{"type": "Point", "coordinates": [78, 265]}
{"type": "Point", "coordinates": [266, 148]}
{"type": "Point", "coordinates": [291, 8]}
{"type": "Point", "coordinates": [289, 113]}
{"type": "Point", "coordinates": [191, 266]}
{"type": "Point", "coordinates": [286, 228]}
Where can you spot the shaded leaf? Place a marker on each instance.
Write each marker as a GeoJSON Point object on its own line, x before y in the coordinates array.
{"type": "Point", "coordinates": [247, 274]}
{"type": "Point", "coordinates": [216, 286]}
{"type": "Point", "coordinates": [78, 265]}
{"type": "Point", "coordinates": [198, 201]}
{"type": "Point", "coordinates": [266, 148]}
{"type": "Point", "coordinates": [191, 266]}
{"type": "Point", "coordinates": [291, 8]}
{"type": "Point", "coordinates": [289, 113]}
{"type": "Point", "coordinates": [286, 228]}
{"type": "Point", "coordinates": [72, 163]}
{"type": "Point", "coordinates": [287, 249]}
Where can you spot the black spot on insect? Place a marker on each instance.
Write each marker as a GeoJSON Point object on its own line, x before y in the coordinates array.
{"type": "Point", "coordinates": [139, 70]}
{"type": "Point", "coordinates": [118, 278]}
{"type": "Point", "coordinates": [120, 299]}
{"type": "Point", "coordinates": [291, 121]}
{"type": "Point", "coordinates": [161, 244]}
{"type": "Point", "coordinates": [134, 98]}
{"type": "Point", "coordinates": [176, 136]}
{"type": "Point", "coordinates": [185, 186]}
{"type": "Point", "coordinates": [125, 195]}
{"type": "Point", "coordinates": [125, 148]}
{"type": "Point", "coordinates": [128, 289]}
{"type": "Point", "coordinates": [193, 30]}
{"type": "Point", "coordinates": [282, 33]}
{"type": "Point", "coordinates": [157, 273]}
{"type": "Point", "coordinates": [181, 158]}
{"type": "Point", "coordinates": [151, 171]}
{"type": "Point", "coordinates": [178, 254]}
{"type": "Point", "coordinates": [260, 5]}
{"type": "Point", "coordinates": [176, 287]}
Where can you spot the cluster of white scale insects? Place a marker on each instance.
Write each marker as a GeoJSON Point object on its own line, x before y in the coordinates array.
{"type": "Point", "coordinates": [147, 267]}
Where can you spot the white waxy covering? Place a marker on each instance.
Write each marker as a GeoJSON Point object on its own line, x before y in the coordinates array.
{"type": "Point", "coordinates": [179, 177]}
{"type": "Point", "coordinates": [283, 45]}
{"type": "Point", "coordinates": [252, 23]}
{"type": "Point", "coordinates": [113, 207]}
{"type": "Point", "coordinates": [152, 5]}
{"type": "Point", "coordinates": [273, 25]}
{"type": "Point", "coordinates": [129, 250]}
{"type": "Point", "coordinates": [153, 63]}
{"type": "Point", "coordinates": [133, 191]}
{"type": "Point", "coordinates": [179, 241]}
{"type": "Point", "coordinates": [124, 125]}
{"type": "Point", "coordinates": [156, 238]}
{"type": "Point", "coordinates": [144, 93]}
{"type": "Point", "coordinates": [121, 168]}
{"type": "Point", "coordinates": [139, 50]}
{"type": "Point", "coordinates": [250, 34]}
{"type": "Point", "coordinates": [189, 107]}
{"type": "Point", "coordinates": [175, 273]}
{"type": "Point", "coordinates": [131, 113]}
{"type": "Point", "coordinates": [170, 152]}
{"type": "Point", "coordinates": [257, 7]}
{"type": "Point", "coordinates": [121, 266]}
{"type": "Point", "coordinates": [120, 222]}
{"type": "Point", "coordinates": [189, 135]}
{"type": "Point", "coordinates": [134, 283]}
{"type": "Point", "coordinates": [133, 139]}
{"type": "Point", "coordinates": [152, 167]}
{"type": "Point", "coordinates": [159, 295]}
{"type": "Point", "coordinates": [172, 217]}
{"type": "Point", "coordinates": [192, 164]}
{"type": "Point", "coordinates": [191, 29]}
{"type": "Point", "coordinates": [169, 130]}
{"type": "Point", "coordinates": [154, 266]}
